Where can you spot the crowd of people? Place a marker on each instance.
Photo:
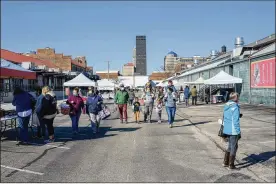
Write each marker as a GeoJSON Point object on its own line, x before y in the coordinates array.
{"type": "Point", "coordinates": [151, 98]}
{"type": "Point", "coordinates": [44, 110]}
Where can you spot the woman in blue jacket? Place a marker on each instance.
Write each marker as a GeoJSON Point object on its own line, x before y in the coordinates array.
{"type": "Point", "coordinates": [231, 129]}
{"type": "Point", "coordinates": [23, 102]}
{"type": "Point", "coordinates": [186, 95]}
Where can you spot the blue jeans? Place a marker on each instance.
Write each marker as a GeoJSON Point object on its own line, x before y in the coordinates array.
{"type": "Point", "coordinates": [75, 121]}
{"type": "Point", "coordinates": [40, 128]}
{"type": "Point", "coordinates": [23, 125]}
{"type": "Point", "coordinates": [233, 144]}
{"type": "Point", "coordinates": [171, 114]}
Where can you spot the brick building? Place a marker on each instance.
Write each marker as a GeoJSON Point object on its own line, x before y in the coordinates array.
{"type": "Point", "coordinates": [112, 74]}
{"type": "Point", "coordinates": [128, 69]}
{"type": "Point", "coordinates": [156, 76]}
{"type": "Point", "coordinates": [64, 62]}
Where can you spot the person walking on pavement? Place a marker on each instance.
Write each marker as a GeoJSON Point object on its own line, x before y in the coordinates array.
{"type": "Point", "coordinates": [187, 95]}
{"type": "Point", "coordinates": [194, 95]}
{"type": "Point", "coordinates": [148, 98]}
{"type": "Point", "coordinates": [23, 102]}
{"type": "Point", "coordinates": [48, 113]}
{"type": "Point", "coordinates": [159, 107]}
{"type": "Point", "coordinates": [121, 99]}
{"type": "Point", "coordinates": [170, 85]}
{"type": "Point", "coordinates": [231, 129]}
{"type": "Point", "coordinates": [131, 96]}
{"type": "Point", "coordinates": [136, 110]}
{"type": "Point", "coordinates": [76, 104]}
{"type": "Point", "coordinates": [94, 106]}
{"type": "Point", "coordinates": [170, 103]}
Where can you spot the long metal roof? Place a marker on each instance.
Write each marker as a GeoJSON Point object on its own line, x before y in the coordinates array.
{"type": "Point", "coordinates": [12, 66]}
{"type": "Point", "coordinates": [269, 48]}
{"type": "Point", "coordinates": [265, 40]}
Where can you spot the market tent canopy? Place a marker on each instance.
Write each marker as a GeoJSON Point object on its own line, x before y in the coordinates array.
{"type": "Point", "coordinates": [8, 69]}
{"type": "Point", "coordinates": [105, 84]}
{"type": "Point", "coordinates": [161, 84]}
{"type": "Point", "coordinates": [200, 80]}
{"type": "Point", "coordinates": [223, 78]}
{"type": "Point", "coordinates": [80, 80]}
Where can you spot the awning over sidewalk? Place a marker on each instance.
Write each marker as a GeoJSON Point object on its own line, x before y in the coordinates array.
{"type": "Point", "coordinates": [11, 70]}
{"type": "Point", "coordinates": [223, 78]}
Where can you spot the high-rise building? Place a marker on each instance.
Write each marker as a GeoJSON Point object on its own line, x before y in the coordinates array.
{"type": "Point", "coordinates": [141, 55]}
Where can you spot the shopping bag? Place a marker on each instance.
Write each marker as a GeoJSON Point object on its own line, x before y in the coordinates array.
{"type": "Point", "coordinates": [220, 132]}
{"type": "Point", "coordinates": [142, 102]}
{"type": "Point", "coordinates": [35, 120]}
{"type": "Point", "coordinates": [65, 109]}
{"type": "Point", "coordinates": [105, 113]}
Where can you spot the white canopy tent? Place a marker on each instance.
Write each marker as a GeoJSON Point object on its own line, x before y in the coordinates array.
{"type": "Point", "coordinates": [105, 84]}
{"type": "Point", "coordinates": [223, 78]}
{"type": "Point", "coordinates": [161, 84]}
{"type": "Point", "coordinates": [200, 80]}
{"type": "Point", "coordinates": [79, 81]}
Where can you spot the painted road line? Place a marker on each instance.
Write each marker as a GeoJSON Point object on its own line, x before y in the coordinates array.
{"type": "Point", "coordinates": [49, 145]}
{"type": "Point", "coordinates": [22, 170]}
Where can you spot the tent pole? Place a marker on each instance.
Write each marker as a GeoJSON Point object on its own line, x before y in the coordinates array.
{"type": "Point", "coordinates": [210, 94]}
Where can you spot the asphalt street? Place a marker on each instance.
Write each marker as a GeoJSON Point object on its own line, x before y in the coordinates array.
{"type": "Point", "coordinates": [119, 153]}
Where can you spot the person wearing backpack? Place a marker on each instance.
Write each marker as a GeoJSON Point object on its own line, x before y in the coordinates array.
{"type": "Point", "coordinates": [48, 113]}
{"type": "Point", "coordinates": [94, 106]}
{"type": "Point", "coordinates": [170, 103]}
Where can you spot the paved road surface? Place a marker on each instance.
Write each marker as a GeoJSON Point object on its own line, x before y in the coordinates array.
{"type": "Point", "coordinates": [120, 153]}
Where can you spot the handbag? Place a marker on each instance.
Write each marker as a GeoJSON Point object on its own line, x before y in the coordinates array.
{"type": "Point", "coordinates": [105, 113]}
{"type": "Point", "coordinates": [35, 120]}
{"type": "Point", "coordinates": [220, 132]}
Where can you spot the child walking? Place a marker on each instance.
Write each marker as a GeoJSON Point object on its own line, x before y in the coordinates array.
{"type": "Point", "coordinates": [159, 108]}
{"type": "Point", "coordinates": [136, 110]}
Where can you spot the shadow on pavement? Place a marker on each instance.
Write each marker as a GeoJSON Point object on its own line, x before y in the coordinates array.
{"type": "Point", "coordinates": [254, 159]}
{"type": "Point", "coordinates": [65, 135]}
{"type": "Point", "coordinates": [198, 123]}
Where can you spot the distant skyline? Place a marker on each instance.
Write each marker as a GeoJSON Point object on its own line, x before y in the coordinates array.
{"type": "Point", "coordinates": [107, 30]}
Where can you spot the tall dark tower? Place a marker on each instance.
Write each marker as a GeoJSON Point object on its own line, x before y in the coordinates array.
{"type": "Point", "coordinates": [141, 55]}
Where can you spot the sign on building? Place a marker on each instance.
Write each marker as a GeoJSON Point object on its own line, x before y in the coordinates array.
{"type": "Point", "coordinates": [263, 74]}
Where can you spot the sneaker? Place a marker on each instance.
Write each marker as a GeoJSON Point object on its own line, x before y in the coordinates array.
{"type": "Point", "coordinates": [122, 122]}
{"type": "Point", "coordinates": [149, 121]}
{"type": "Point", "coordinates": [159, 121]}
{"type": "Point", "coordinates": [171, 125]}
{"type": "Point", "coordinates": [126, 122]}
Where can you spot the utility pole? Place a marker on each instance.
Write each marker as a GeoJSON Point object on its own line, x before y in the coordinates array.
{"type": "Point", "coordinates": [108, 69]}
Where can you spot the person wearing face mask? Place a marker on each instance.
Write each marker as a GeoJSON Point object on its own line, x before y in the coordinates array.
{"type": "Point", "coordinates": [170, 103]}
{"type": "Point", "coordinates": [121, 99]}
{"type": "Point", "coordinates": [94, 106]}
{"type": "Point", "coordinates": [148, 97]}
{"type": "Point", "coordinates": [76, 104]}
{"type": "Point", "coordinates": [231, 129]}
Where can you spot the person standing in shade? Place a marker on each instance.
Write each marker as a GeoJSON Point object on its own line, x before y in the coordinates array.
{"type": "Point", "coordinates": [121, 99]}
{"type": "Point", "coordinates": [48, 113]}
{"type": "Point", "coordinates": [22, 100]}
{"type": "Point", "coordinates": [170, 103]}
{"type": "Point", "coordinates": [131, 96]}
{"type": "Point", "coordinates": [41, 129]}
{"type": "Point", "coordinates": [231, 128]}
{"type": "Point", "coordinates": [76, 104]}
{"type": "Point", "coordinates": [148, 97]}
{"type": "Point", "coordinates": [186, 95]}
{"type": "Point", "coordinates": [194, 95]}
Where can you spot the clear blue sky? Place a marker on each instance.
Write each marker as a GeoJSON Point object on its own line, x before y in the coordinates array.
{"type": "Point", "coordinates": [104, 31]}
